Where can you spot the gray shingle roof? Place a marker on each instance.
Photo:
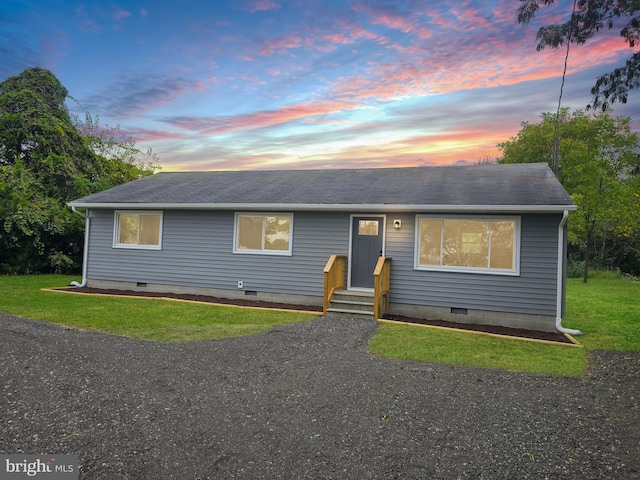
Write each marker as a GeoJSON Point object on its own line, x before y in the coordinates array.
{"type": "Point", "coordinates": [448, 187]}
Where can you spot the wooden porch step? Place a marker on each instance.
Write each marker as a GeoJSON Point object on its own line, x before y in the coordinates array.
{"type": "Point", "coordinates": [340, 301]}
{"type": "Point", "coordinates": [350, 313]}
{"type": "Point", "coordinates": [349, 302]}
{"type": "Point", "coordinates": [354, 295]}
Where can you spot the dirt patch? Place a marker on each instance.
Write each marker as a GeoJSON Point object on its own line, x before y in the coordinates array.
{"type": "Point", "coordinates": [512, 332]}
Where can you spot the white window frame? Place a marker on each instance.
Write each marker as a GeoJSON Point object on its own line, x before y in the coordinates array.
{"type": "Point", "coordinates": [515, 271]}
{"type": "Point", "coordinates": [116, 229]}
{"type": "Point", "coordinates": [262, 251]}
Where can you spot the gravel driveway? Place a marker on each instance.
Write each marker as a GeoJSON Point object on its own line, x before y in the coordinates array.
{"type": "Point", "coordinates": [306, 401]}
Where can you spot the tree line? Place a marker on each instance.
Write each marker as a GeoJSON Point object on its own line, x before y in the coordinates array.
{"type": "Point", "coordinates": [598, 163]}
{"type": "Point", "coordinates": [47, 158]}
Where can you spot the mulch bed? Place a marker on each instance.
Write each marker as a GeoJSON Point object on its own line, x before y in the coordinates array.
{"type": "Point", "coordinates": [194, 298]}
{"type": "Point", "coordinates": [512, 332]}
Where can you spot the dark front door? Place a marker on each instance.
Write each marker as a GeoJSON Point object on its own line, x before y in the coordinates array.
{"type": "Point", "coordinates": [366, 248]}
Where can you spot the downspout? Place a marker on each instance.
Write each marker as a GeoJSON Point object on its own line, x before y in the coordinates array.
{"type": "Point", "coordinates": [560, 283]}
{"type": "Point", "coordinates": [85, 250]}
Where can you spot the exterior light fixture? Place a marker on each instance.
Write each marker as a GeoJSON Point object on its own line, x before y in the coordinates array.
{"type": "Point", "coordinates": [397, 223]}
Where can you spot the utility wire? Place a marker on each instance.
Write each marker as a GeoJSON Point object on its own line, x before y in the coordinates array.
{"type": "Point", "coordinates": [564, 74]}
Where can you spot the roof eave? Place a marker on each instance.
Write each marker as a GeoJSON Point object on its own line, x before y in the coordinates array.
{"type": "Point", "coordinates": [328, 207]}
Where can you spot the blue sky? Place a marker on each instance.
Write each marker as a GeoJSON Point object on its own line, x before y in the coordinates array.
{"type": "Point", "coordinates": [212, 85]}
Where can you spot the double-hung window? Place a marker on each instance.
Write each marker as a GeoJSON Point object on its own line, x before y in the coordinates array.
{"type": "Point", "coordinates": [138, 229]}
{"type": "Point", "coordinates": [269, 234]}
{"type": "Point", "coordinates": [468, 244]}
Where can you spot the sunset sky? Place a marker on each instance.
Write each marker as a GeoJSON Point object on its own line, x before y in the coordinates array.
{"type": "Point", "coordinates": [274, 84]}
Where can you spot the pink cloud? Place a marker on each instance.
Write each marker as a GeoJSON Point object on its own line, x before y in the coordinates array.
{"type": "Point", "coordinates": [326, 48]}
{"type": "Point", "coordinates": [468, 17]}
{"type": "Point", "coordinates": [150, 135]}
{"type": "Point", "coordinates": [407, 49]}
{"type": "Point", "coordinates": [387, 17]}
{"type": "Point", "coordinates": [425, 69]}
{"type": "Point", "coordinates": [251, 79]}
{"type": "Point", "coordinates": [346, 33]}
{"type": "Point", "coordinates": [120, 14]}
{"type": "Point", "coordinates": [438, 148]}
{"type": "Point", "coordinates": [384, 82]}
{"type": "Point", "coordinates": [353, 35]}
{"type": "Point", "coordinates": [281, 44]}
{"type": "Point", "coordinates": [338, 38]}
{"type": "Point", "coordinates": [505, 12]}
{"type": "Point", "coordinates": [262, 6]}
{"type": "Point", "coordinates": [358, 32]}
{"type": "Point", "coordinates": [482, 57]}
{"type": "Point", "coordinates": [260, 119]}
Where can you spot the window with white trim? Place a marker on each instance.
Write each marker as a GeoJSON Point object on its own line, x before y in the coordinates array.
{"type": "Point", "coordinates": [468, 244]}
{"type": "Point", "coordinates": [269, 234]}
{"type": "Point", "coordinates": [138, 229]}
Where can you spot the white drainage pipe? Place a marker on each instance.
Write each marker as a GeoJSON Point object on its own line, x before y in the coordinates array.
{"type": "Point", "coordinates": [85, 250]}
{"type": "Point", "coordinates": [560, 284]}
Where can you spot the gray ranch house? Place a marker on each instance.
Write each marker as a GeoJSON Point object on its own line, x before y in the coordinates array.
{"type": "Point", "coordinates": [476, 244]}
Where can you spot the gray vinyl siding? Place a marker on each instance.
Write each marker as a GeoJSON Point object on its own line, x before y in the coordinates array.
{"type": "Point", "coordinates": [197, 251]}
{"type": "Point", "coordinates": [532, 292]}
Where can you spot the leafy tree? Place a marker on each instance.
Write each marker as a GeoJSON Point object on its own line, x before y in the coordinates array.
{"type": "Point", "coordinates": [117, 148]}
{"type": "Point", "coordinates": [589, 18]}
{"type": "Point", "coordinates": [45, 161]}
{"type": "Point", "coordinates": [598, 156]}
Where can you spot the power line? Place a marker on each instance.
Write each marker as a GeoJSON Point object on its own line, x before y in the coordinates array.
{"type": "Point", "coordinates": [564, 74]}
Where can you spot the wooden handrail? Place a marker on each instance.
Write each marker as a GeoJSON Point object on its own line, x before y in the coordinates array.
{"type": "Point", "coordinates": [333, 278]}
{"type": "Point", "coordinates": [381, 286]}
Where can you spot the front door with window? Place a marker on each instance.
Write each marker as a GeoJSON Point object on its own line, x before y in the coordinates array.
{"type": "Point", "coordinates": [366, 248]}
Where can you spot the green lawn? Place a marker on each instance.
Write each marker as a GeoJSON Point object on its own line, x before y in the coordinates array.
{"type": "Point", "coordinates": [607, 311]}
{"type": "Point", "coordinates": [159, 320]}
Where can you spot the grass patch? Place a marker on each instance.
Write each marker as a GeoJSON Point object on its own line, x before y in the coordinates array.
{"type": "Point", "coordinates": [148, 319]}
{"type": "Point", "coordinates": [467, 349]}
{"type": "Point", "coordinates": [606, 310]}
